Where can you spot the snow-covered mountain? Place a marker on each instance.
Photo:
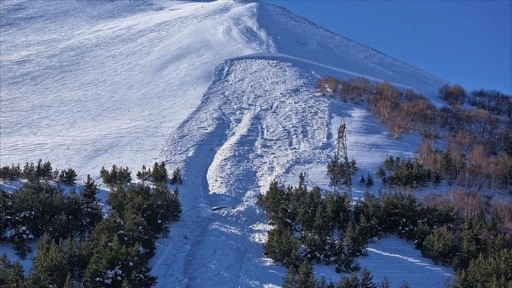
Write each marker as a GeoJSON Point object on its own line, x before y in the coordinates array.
{"type": "Point", "coordinates": [224, 89]}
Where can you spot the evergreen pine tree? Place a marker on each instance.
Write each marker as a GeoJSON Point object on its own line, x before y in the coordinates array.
{"type": "Point", "coordinates": [166, 208]}
{"type": "Point", "coordinates": [104, 256]}
{"type": "Point", "coordinates": [321, 224]}
{"type": "Point", "coordinates": [10, 173]}
{"type": "Point", "coordinates": [290, 280]}
{"type": "Point", "coordinates": [176, 176]}
{"type": "Point", "coordinates": [487, 271]}
{"type": "Point", "coordinates": [46, 171]}
{"type": "Point", "coordinates": [282, 247]}
{"type": "Point", "coordinates": [332, 213]}
{"type": "Point", "coordinates": [105, 175]}
{"type": "Point", "coordinates": [124, 176]}
{"type": "Point", "coordinates": [369, 180]}
{"type": "Point", "coordinates": [334, 170]}
{"type": "Point", "coordinates": [143, 174]}
{"type": "Point", "coordinates": [90, 206]}
{"type": "Point", "coordinates": [114, 263]}
{"type": "Point", "coordinates": [159, 173]}
{"type": "Point", "coordinates": [134, 268]}
{"type": "Point", "coordinates": [69, 222]}
{"type": "Point", "coordinates": [272, 202]}
{"type": "Point", "coordinates": [29, 172]}
{"type": "Point", "coordinates": [67, 177]}
{"type": "Point", "coordinates": [50, 267]}
{"type": "Point", "coordinates": [468, 247]}
{"type": "Point", "coordinates": [440, 246]}
{"type": "Point", "coordinates": [70, 249]}
{"type": "Point", "coordinates": [363, 180]}
{"type": "Point", "coordinates": [117, 177]}
{"type": "Point", "coordinates": [136, 231]}
{"type": "Point", "coordinates": [84, 253]}
{"type": "Point", "coordinates": [385, 283]}
{"type": "Point", "coordinates": [351, 281]}
{"type": "Point", "coordinates": [367, 279]}
{"type": "Point", "coordinates": [343, 211]}
{"type": "Point", "coordinates": [381, 172]}
{"type": "Point", "coordinates": [348, 247]}
{"type": "Point", "coordinates": [11, 274]}
{"type": "Point", "coordinates": [163, 172]}
{"type": "Point", "coordinates": [6, 213]}
{"type": "Point", "coordinates": [308, 210]}
{"type": "Point", "coordinates": [354, 241]}
{"type": "Point", "coordinates": [306, 278]}
{"type": "Point", "coordinates": [89, 190]}
{"type": "Point", "coordinates": [343, 262]}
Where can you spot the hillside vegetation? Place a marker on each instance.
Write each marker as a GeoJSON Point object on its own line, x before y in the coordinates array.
{"type": "Point", "coordinates": [79, 244]}
{"type": "Point", "coordinates": [228, 91]}
{"type": "Point", "coordinates": [460, 228]}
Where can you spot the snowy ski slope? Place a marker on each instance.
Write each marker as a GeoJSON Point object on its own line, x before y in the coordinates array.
{"type": "Point", "coordinates": [225, 90]}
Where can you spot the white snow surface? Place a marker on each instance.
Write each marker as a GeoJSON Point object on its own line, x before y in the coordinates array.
{"type": "Point", "coordinates": [225, 90]}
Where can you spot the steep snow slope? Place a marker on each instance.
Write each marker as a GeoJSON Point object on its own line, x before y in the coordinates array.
{"type": "Point", "coordinates": [87, 88]}
{"type": "Point", "coordinates": [84, 83]}
{"type": "Point", "coordinates": [260, 120]}
{"type": "Point", "coordinates": [223, 89]}
{"type": "Point", "coordinates": [298, 37]}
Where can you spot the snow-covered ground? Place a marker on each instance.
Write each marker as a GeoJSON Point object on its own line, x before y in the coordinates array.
{"type": "Point", "coordinates": [396, 257]}
{"type": "Point", "coordinates": [225, 90]}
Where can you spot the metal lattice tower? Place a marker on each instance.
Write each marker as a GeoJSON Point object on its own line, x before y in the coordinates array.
{"type": "Point", "coordinates": [342, 155]}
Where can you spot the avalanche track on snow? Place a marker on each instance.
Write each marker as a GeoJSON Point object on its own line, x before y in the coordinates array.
{"type": "Point", "coordinates": [223, 89]}
{"type": "Point", "coordinates": [247, 131]}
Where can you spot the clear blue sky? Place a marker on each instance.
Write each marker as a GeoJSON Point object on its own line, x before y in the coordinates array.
{"type": "Point", "coordinates": [464, 42]}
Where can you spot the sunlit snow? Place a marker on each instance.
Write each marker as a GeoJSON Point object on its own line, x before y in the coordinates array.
{"type": "Point", "coordinates": [225, 90]}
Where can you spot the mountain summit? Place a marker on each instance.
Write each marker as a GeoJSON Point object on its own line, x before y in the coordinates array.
{"type": "Point", "coordinates": [144, 67]}
{"type": "Point", "coordinates": [225, 89]}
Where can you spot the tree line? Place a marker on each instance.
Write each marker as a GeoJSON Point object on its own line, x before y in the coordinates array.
{"type": "Point", "coordinates": [309, 228]}
{"type": "Point", "coordinates": [37, 172]}
{"type": "Point", "coordinates": [405, 111]}
{"type": "Point", "coordinates": [472, 133]}
{"type": "Point", "coordinates": [314, 227]}
{"type": "Point", "coordinates": [78, 246]}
